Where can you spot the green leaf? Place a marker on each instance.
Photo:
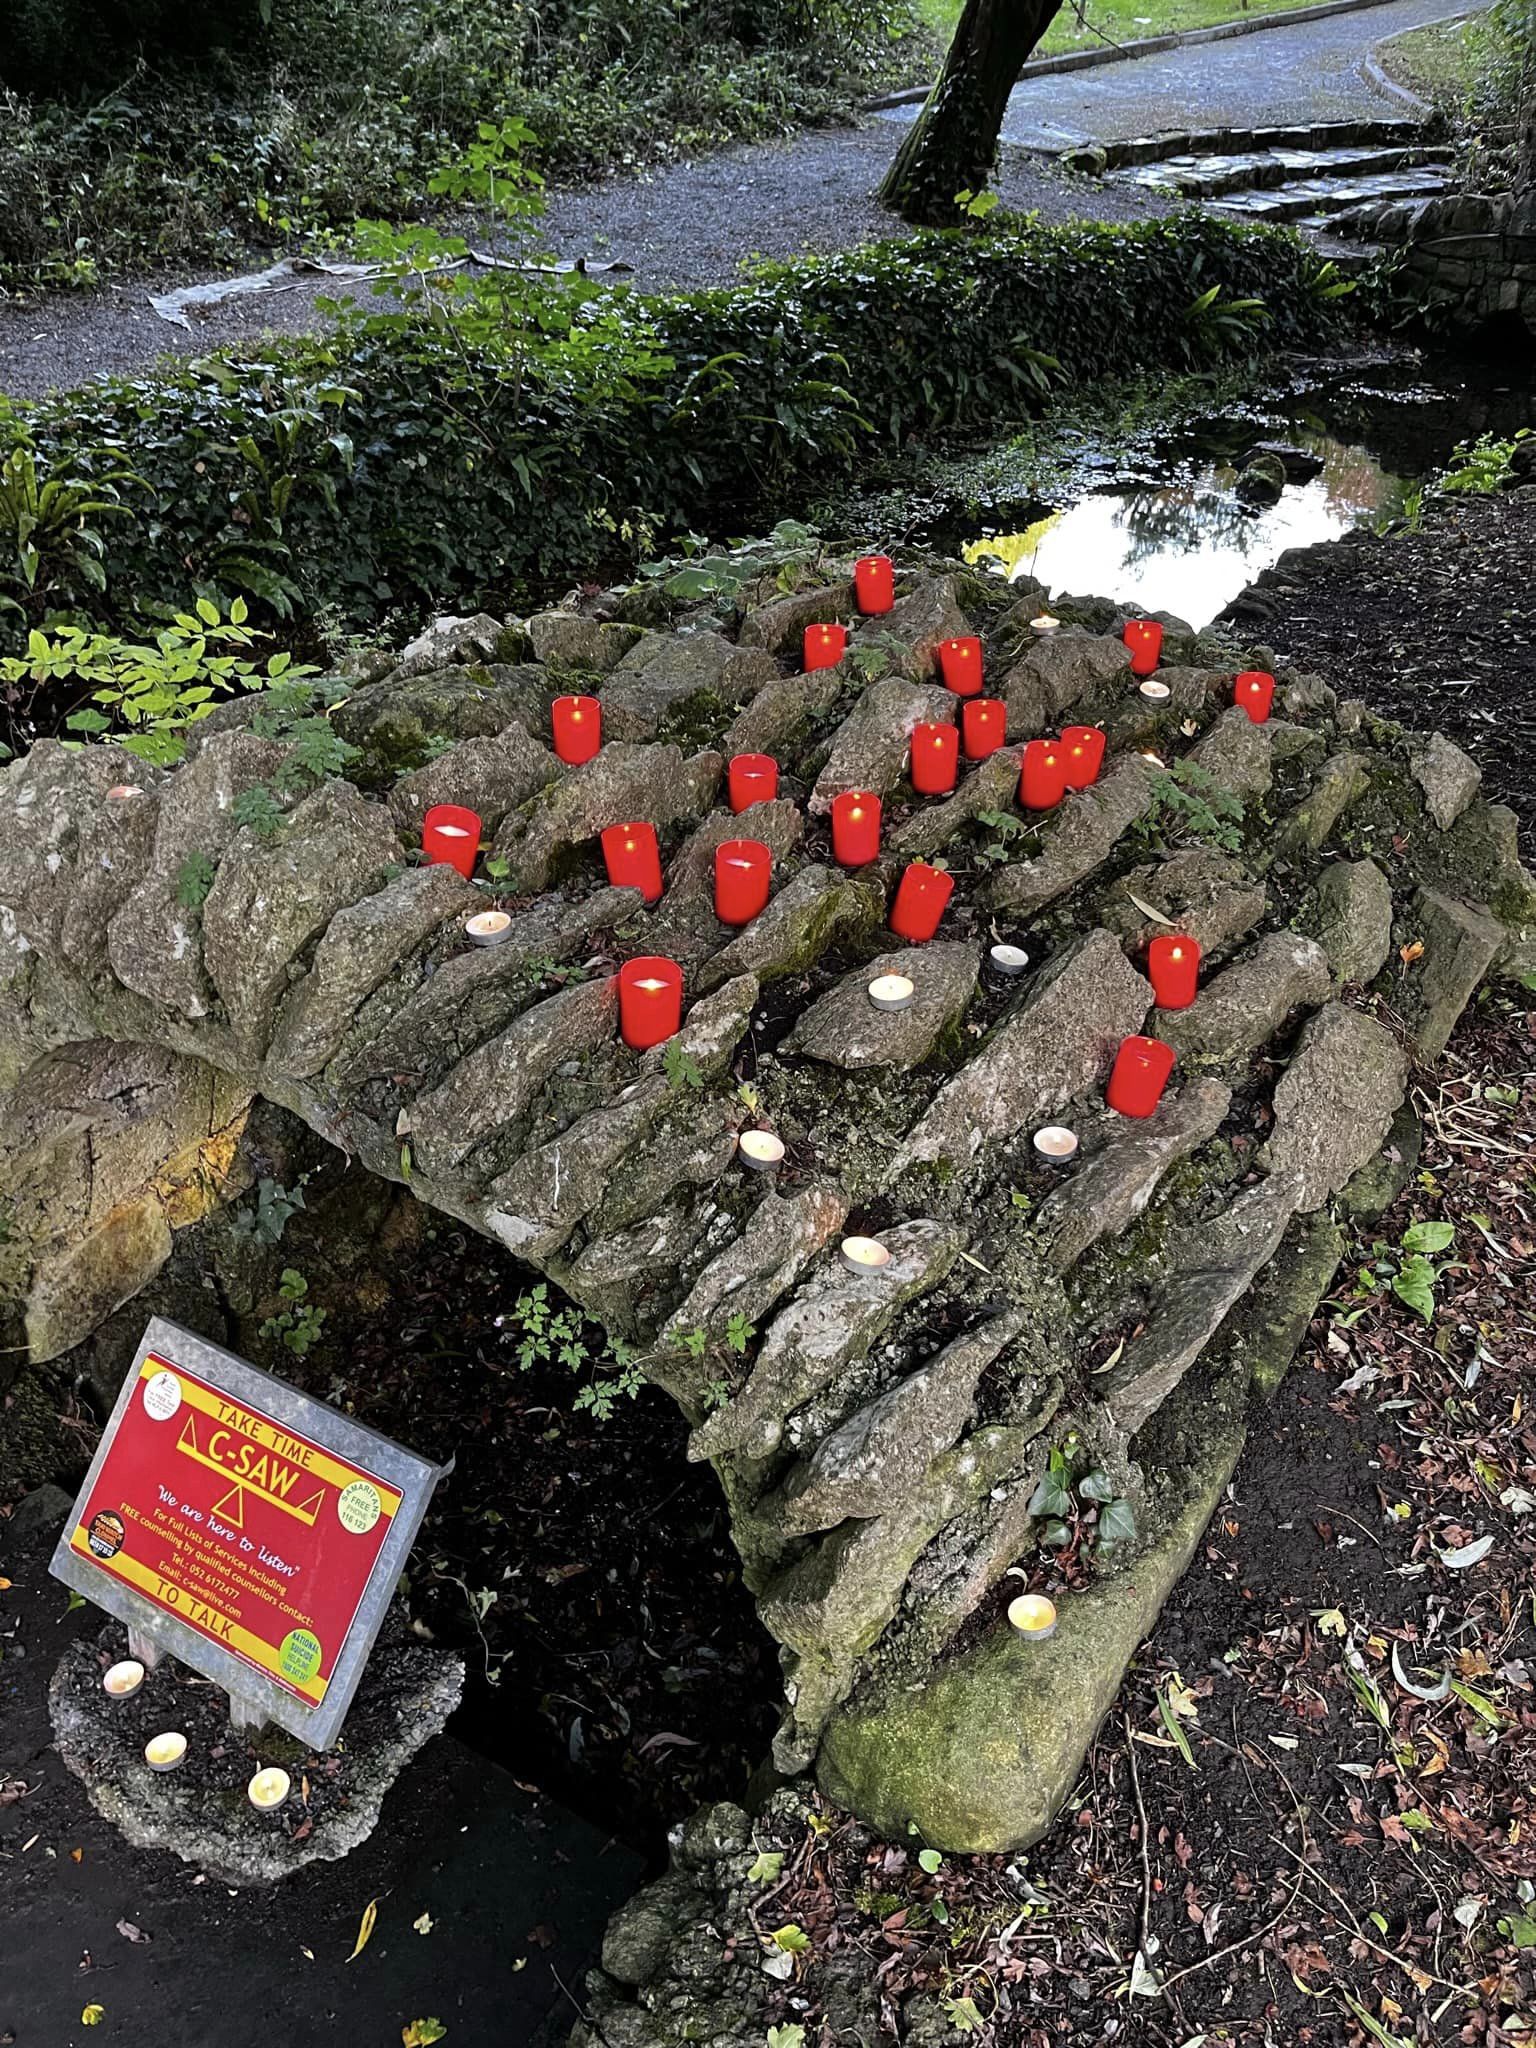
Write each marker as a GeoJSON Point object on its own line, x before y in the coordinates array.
{"type": "Point", "coordinates": [931, 1860]}
{"type": "Point", "coordinates": [1096, 1486]}
{"type": "Point", "coordinates": [768, 1867]}
{"type": "Point", "coordinates": [792, 1940]}
{"type": "Point", "coordinates": [790, 2035]}
{"type": "Point", "coordinates": [1429, 1237]}
{"type": "Point", "coordinates": [1117, 1525]}
{"type": "Point", "coordinates": [194, 878]}
{"type": "Point", "coordinates": [1415, 1285]}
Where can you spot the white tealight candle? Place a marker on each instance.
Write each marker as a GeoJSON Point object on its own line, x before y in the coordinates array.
{"type": "Point", "coordinates": [1009, 960]}
{"type": "Point", "coordinates": [1045, 623]}
{"type": "Point", "coordinates": [269, 1788]}
{"type": "Point", "coordinates": [760, 1150]}
{"type": "Point", "coordinates": [165, 1752]}
{"type": "Point", "coordinates": [123, 1678]}
{"type": "Point", "coordinates": [1033, 1615]}
{"type": "Point", "coordinates": [487, 927]}
{"type": "Point", "coordinates": [864, 1254]}
{"type": "Point", "coordinates": [1159, 693]}
{"type": "Point", "coordinates": [1055, 1142]}
{"type": "Point", "coordinates": [891, 991]}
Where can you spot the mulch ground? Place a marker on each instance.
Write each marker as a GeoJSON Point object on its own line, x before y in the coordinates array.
{"type": "Point", "coordinates": [1433, 627]}
{"type": "Point", "coordinates": [1302, 1848]}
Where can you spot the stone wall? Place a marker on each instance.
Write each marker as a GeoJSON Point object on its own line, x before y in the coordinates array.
{"type": "Point", "coordinates": [1469, 260]}
{"type": "Point", "coordinates": [881, 1438]}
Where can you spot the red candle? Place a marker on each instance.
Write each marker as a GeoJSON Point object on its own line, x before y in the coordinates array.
{"type": "Point", "coordinates": [1083, 749]}
{"type": "Point", "coordinates": [960, 665]}
{"type": "Point", "coordinates": [742, 871]}
{"type": "Point", "coordinates": [935, 759]}
{"type": "Point", "coordinates": [874, 583]}
{"type": "Point", "coordinates": [921, 897]}
{"type": "Point", "coordinates": [1144, 637]}
{"type": "Point", "coordinates": [825, 646]}
{"type": "Point", "coordinates": [1043, 779]}
{"type": "Point", "coordinates": [1139, 1076]}
{"type": "Point", "coordinates": [1173, 968]}
{"type": "Point", "coordinates": [754, 780]}
{"type": "Point", "coordinates": [577, 725]}
{"type": "Point", "coordinates": [650, 1000]}
{"type": "Point", "coordinates": [986, 726]}
{"type": "Point", "coordinates": [1255, 691]}
{"type": "Point", "coordinates": [452, 834]}
{"type": "Point", "coordinates": [855, 827]}
{"type": "Point", "coordinates": [633, 858]}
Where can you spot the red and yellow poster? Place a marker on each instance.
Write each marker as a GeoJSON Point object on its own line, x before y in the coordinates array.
{"type": "Point", "coordinates": [240, 1527]}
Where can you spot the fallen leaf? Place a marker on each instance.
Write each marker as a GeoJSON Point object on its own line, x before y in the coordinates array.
{"type": "Point", "coordinates": [1469, 1554]}
{"type": "Point", "coordinates": [423, 1924]}
{"type": "Point", "coordinates": [129, 1932]}
{"type": "Point", "coordinates": [422, 2033]}
{"type": "Point", "coordinates": [365, 1928]}
{"type": "Point", "coordinates": [75, 1855]}
{"type": "Point", "coordinates": [93, 2016]}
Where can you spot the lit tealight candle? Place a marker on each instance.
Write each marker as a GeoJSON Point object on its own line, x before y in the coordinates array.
{"type": "Point", "coordinates": [1144, 641]}
{"type": "Point", "coordinates": [1055, 1143]}
{"type": "Point", "coordinates": [760, 1150]}
{"type": "Point", "coordinates": [487, 927]}
{"type": "Point", "coordinates": [269, 1788]}
{"type": "Point", "coordinates": [891, 991]}
{"type": "Point", "coordinates": [450, 833]}
{"type": "Point", "coordinates": [1009, 960]}
{"type": "Point", "coordinates": [123, 1678]}
{"type": "Point", "coordinates": [1045, 623]}
{"type": "Point", "coordinates": [1033, 1615]}
{"type": "Point", "coordinates": [165, 1752]}
{"type": "Point", "coordinates": [1157, 692]}
{"type": "Point", "coordinates": [1254, 689]}
{"type": "Point", "coordinates": [864, 1254]}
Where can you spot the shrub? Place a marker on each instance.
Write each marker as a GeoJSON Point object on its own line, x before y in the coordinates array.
{"type": "Point", "coordinates": [397, 463]}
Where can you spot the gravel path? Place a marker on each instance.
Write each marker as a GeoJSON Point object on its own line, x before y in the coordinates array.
{"type": "Point", "coordinates": [1302, 71]}
{"type": "Point", "coordinates": [689, 225]}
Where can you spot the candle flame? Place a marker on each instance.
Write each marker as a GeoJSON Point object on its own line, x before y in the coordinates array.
{"type": "Point", "coordinates": [1177, 953]}
{"type": "Point", "coordinates": [652, 988]}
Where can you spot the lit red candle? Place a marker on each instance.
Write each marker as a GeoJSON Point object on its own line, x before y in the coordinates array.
{"type": "Point", "coordinates": [960, 665]}
{"type": "Point", "coordinates": [824, 646]}
{"type": "Point", "coordinates": [1082, 748]}
{"type": "Point", "coordinates": [985, 724]}
{"type": "Point", "coordinates": [754, 779]}
{"type": "Point", "coordinates": [935, 759]}
{"type": "Point", "coordinates": [855, 827]}
{"type": "Point", "coordinates": [452, 834]}
{"type": "Point", "coordinates": [633, 859]}
{"type": "Point", "coordinates": [1173, 968]}
{"type": "Point", "coordinates": [921, 897]}
{"type": "Point", "coordinates": [577, 727]}
{"type": "Point", "coordinates": [1139, 1076]}
{"type": "Point", "coordinates": [874, 583]}
{"type": "Point", "coordinates": [1043, 777]}
{"type": "Point", "coordinates": [743, 868]}
{"type": "Point", "coordinates": [1255, 691]}
{"type": "Point", "coordinates": [1144, 638]}
{"type": "Point", "coordinates": [650, 1000]}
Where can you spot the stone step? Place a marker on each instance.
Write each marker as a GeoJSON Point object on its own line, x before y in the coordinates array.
{"type": "Point", "coordinates": [1149, 149]}
{"type": "Point", "coordinates": [1211, 177]}
{"type": "Point", "coordinates": [1316, 198]}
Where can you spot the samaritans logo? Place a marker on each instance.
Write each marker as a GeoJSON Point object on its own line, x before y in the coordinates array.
{"type": "Point", "coordinates": [298, 1656]}
{"type": "Point", "coordinates": [359, 1507]}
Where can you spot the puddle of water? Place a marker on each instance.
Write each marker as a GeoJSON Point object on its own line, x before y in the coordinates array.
{"type": "Point", "coordinates": [1191, 545]}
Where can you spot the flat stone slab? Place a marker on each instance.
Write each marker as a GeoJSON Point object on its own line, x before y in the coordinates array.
{"type": "Point", "coordinates": [1119, 1176]}
{"type": "Point", "coordinates": [833, 1320]}
{"type": "Point", "coordinates": [1352, 919]}
{"type": "Point", "coordinates": [1460, 945]}
{"type": "Point", "coordinates": [815, 909]}
{"type": "Point", "coordinates": [1196, 890]}
{"type": "Point", "coordinates": [624, 781]}
{"type": "Point", "coordinates": [1245, 1005]}
{"type": "Point", "coordinates": [1448, 777]}
{"type": "Point", "coordinates": [881, 1452]}
{"type": "Point", "coordinates": [664, 674]}
{"type": "Point", "coordinates": [990, 787]}
{"type": "Point", "coordinates": [843, 1028]}
{"type": "Point", "coordinates": [200, 1812]}
{"type": "Point", "coordinates": [1057, 1041]}
{"type": "Point", "coordinates": [1078, 838]}
{"type": "Point", "coordinates": [1212, 1273]}
{"type": "Point", "coordinates": [1335, 1102]}
{"type": "Point", "coordinates": [749, 1276]}
{"type": "Point", "coordinates": [1341, 781]}
{"type": "Point", "coordinates": [872, 744]}
{"type": "Point", "coordinates": [1058, 674]}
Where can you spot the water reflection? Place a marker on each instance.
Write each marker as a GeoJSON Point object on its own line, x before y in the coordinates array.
{"type": "Point", "coordinates": [1189, 547]}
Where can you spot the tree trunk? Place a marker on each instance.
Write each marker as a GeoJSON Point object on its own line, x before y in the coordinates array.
{"type": "Point", "coordinates": [951, 147]}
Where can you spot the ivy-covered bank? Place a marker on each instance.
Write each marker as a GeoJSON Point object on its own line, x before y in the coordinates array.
{"type": "Point", "coordinates": [412, 457]}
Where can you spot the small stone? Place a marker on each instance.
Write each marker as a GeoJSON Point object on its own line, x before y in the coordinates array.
{"type": "Point", "coordinates": [989, 787]}
{"type": "Point", "coordinates": [567, 640]}
{"type": "Point", "coordinates": [488, 776]}
{"type": "Point", "coordinates": [1341, 781]}
{"type": "Point", "coordinates": [1460, 944]}
{"type": "Point", "coordinates": [781, 717]}
{"type": "Point", "coordinates": [1261, 479]}
{"type": "Point", "coordinates": [1448, 777]}
{"type": "Point", "coordinates": [1245, 1005]}
{"type": "Point", "coordinates": [451, 640]}
{"type": "Point", "coordinates": [1335, 1101]}
{"type": "Point", "coordinates": [843, 1028]}
{"type": "Point", "coordinates": [623, 781]}
{"type": "Point", "coordinates": [782, 1236]}
{"type": "Point", "coordinates": [1236, 753]}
